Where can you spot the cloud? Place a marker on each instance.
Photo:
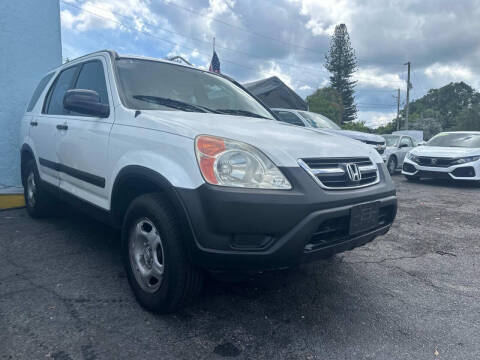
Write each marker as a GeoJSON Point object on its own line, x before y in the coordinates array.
{"type": "Point", "coordinates": [289, 39]}
{"type": "Point", "coordinates": [375, 119]}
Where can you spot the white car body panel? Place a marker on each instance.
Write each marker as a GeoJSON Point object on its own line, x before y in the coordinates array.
{"type": "Point", "coordinates": [448, 153]}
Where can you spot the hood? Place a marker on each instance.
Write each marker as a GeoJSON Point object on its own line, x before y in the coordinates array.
{"type": "Point", "coordinates": [445, 152]}
{"type": "Point", "coordinates": [284, 144]}
{"type": "Point", "coordinates": [357, 135]}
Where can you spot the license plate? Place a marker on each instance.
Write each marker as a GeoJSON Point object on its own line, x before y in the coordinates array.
{"type": "Point", "coordinates": [364, 217]}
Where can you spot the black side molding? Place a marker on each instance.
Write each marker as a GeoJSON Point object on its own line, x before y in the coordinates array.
{"type": "Point", "coordinates": [81, 175]}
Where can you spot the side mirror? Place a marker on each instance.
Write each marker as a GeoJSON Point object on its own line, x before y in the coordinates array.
{"type": "Point", "coordinates": [85, 102]}
{"type": "Point", "coordinates": [403, 145]}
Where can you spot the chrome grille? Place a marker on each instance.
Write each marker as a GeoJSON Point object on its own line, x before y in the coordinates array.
{"type": "Point", "coordinates": [336, 173]}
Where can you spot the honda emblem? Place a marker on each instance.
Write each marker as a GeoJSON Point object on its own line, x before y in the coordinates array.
{"type": "Point", "coordinates": [353, 172]}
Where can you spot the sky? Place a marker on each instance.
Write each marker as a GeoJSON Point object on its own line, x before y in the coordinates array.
{"type": "Point", "coordinates": [290, 38]}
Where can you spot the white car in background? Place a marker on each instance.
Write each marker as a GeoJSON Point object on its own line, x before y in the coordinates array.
{"type": "Point", "coordinates": [448, 155]}
{"type": "Point", "coordinates": [320, 122]}
{"type": "Point", "coordinates": [397, 146]}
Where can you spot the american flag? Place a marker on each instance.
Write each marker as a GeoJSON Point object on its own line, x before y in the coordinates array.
{"type": "Point", "coordinates": [215, 63]}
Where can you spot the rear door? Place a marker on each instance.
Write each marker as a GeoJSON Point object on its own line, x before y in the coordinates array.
{"type": "Point", "coordinates": [45, 126]}
{"type": "Point", "coordinates": [83, 147]}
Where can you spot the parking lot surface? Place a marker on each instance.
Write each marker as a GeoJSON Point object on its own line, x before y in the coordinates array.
{"type": "Point", "coordinates": [411, 294]}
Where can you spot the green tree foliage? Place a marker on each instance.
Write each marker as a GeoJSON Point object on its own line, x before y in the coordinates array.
{"type": "Point", "coordinates": [327, 102]}
{"type": "Point", "coordinates": [341, 62]}
{"type": "Point", "coordinates": [444, 105]}
{"type": "Point", "coordinates": [387, 128]}
{"type": "Point", "coordinates": [357, 126]}
{"type": "Point", "coordinates": [469, 118]}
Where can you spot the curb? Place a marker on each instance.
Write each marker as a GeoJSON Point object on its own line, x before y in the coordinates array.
{"type": "Point", "coordinates": [9, 201]}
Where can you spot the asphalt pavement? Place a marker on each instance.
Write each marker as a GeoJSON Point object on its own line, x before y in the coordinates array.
{"type": "Point", "coordinates": [411, 294]}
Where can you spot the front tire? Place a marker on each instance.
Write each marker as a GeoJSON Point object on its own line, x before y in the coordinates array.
{"type": "Point", "coordinates": [158, 271]}
{"type": "Point", "coordinates": [38, 202]}
{"type": "Point", "coordinates": [392, 165]}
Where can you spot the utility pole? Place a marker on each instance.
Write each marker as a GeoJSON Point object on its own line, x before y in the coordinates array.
{"type": "Point", "coordinates": [398, 109]}
{"type": "Point", "coordinates": [408, 95]}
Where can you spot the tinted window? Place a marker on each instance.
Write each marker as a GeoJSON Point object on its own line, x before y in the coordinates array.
{"type": "Point", "coordinates": [92, 77]}
{"type": "Point", "coordinates": [288, 117]}
{"type": "Point", "coordinates": [61, 85]}
{"type": "Point", "coordinates": [391, 140]}
{"type": "Point", "coordinates": [455, 140]}
{"type": "Point", "coordinates": [38, 91]}
{"type": "Point", "coordinates": [406, 140]}
{"type": "Point", "coordinates": [319, 121]}
{"type": "Point", "coordinates": [162, 86]}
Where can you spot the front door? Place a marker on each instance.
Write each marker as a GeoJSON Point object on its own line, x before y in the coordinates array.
{"type": "Point", "coordinates": [83, 147]}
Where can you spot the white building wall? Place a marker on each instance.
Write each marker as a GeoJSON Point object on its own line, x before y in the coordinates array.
{"type": "Point", "coordinates": [30, 45]}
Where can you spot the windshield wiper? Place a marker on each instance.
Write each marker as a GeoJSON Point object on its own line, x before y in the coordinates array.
{"type": "Point", "coordinates": [175, 104]}
{"type": "Point", "coordinates": [240, 112]}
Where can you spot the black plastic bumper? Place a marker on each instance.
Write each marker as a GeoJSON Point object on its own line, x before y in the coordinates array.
{"type": "Point", "coordinates": [248, 229]}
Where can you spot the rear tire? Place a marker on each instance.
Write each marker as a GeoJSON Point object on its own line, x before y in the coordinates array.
{"type": "Point", "coordinates": [392, 165]}
{"type": "Point", "coordinates": [158, 271]}
{"type": "Point", "coordinates": [38, 202]}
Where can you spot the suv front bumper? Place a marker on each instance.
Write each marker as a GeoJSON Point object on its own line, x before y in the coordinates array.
{"type": "Point", "coordinates": [248, 229]}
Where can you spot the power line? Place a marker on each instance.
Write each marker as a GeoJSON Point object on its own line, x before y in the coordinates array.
{"type": "Point", "coordinates": [198, 40]}
{"type": "Point", "coordinates": [186, 47]}
{"type": "Point", "coordinates": [196, 12]}
{"type": "Point", "coordinates": [241, 28]}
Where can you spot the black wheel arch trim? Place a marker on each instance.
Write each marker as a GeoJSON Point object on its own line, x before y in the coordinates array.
{"type": "Point", "coordinates": [154, 177]}
{"type": "Point", "coordinates": [25, 149]}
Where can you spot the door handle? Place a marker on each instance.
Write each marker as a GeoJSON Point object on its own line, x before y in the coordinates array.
{"type": "Point", "coordinates": [33, 123]}
{"type": "Point", "coordinates": [62, 127]}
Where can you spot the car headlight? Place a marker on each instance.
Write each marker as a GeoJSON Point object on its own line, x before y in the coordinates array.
{"type": "Point", "coordinates": [412, 157]}
{"type": "Point", "coordinates": [465, 160]}
{"type": "Point", "coordinates": [227, 162]}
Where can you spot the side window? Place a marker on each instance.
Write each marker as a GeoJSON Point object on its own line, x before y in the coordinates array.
{"type": "Point", "coordinates": [92, 77]}
{"type": "Point", "coordinates": [38, 90]}
{"type": "Point", "coordinates": [288, 117]}
{"type": "Point", "coordinates": [54, 104]}
{"type": "Point", "coordinates": [406, 140]}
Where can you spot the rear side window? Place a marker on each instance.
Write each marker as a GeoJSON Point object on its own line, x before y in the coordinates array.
{"type": "Point", "coordinates": [288, 117]}
{"type": "Point", "coordinates": [406, 140]}
{"type": "Point", "coordinates": [60, 87]}
{"type": "Point", "coordinates": [92, 77]}
{"type": "Point", "coordinates": [38, 91]}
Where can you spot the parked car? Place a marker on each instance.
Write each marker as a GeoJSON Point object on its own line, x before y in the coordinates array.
{"type": "Point", "coordinates": [448, 155]}
{"type": "Point", "coordinates": [397, 146]}
{"type": "Point", "coordinates": [322, 123]}
{"type": "Point", "coordinates": [195, 172]}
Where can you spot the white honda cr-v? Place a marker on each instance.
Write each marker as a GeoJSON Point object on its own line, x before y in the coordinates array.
{"type": "Point", "coordinates": [195, 172]}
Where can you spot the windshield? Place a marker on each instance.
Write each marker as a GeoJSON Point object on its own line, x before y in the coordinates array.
{"type": "Point", "coordinates": [391, 140]}
{"type": "Point", "coordinates": [464, 140]}
{"type": "Point", "coordinates": [319, 121]}
{"type": "Point", "coordinates": [154, 85]}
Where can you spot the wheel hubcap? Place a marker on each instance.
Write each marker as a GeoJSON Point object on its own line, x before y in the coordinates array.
{"type": "Point", "coordinates": [31, 189]}
{"type": "Point", "coordinates": [146, 255]}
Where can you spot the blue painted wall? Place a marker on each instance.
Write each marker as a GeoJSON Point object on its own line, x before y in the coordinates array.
{"type": "Point", "coordinates": [30, 45]}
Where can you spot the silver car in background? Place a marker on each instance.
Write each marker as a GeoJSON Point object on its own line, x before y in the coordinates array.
{"type": "Point", "coordinates": [397, 147]}
{"type": "Point", "coordinates": [320, 122]}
